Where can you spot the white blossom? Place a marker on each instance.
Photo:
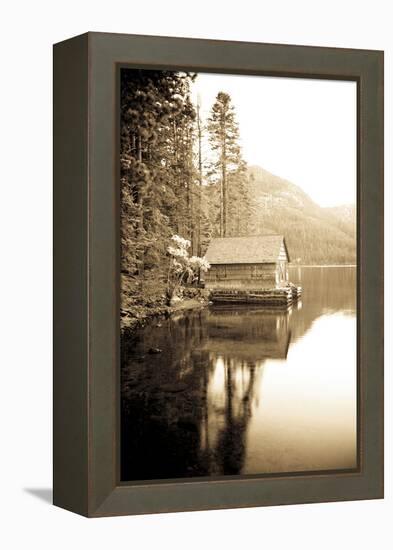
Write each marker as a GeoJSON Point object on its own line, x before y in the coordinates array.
{"type": "Point", "coordinates": [184, 268]}
{"type": "Point", "coordinates": [177, 252]}
{"type": "Point", "coordinates": [184, 243]}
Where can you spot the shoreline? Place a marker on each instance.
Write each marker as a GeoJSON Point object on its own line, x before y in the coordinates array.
{"type": "Point", "coordinates": [321, 265]}
{"type": "Point", "coordinates": [133, 320]}
{"type": "Point", "coordinates": [130, 325]}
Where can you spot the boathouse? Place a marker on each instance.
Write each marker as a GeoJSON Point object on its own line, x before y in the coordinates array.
{"type": "Point", "coordinates": [259, 262]}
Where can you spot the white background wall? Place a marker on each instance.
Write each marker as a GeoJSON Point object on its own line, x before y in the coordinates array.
{"type": "Point", "coordinates": [28, 28]}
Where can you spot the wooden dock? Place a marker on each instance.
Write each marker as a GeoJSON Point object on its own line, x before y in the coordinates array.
{"type": "Point", "coordinates": [275, 297]}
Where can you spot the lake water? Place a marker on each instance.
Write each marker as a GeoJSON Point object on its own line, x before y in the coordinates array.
{"type": "Point", "coordinates": [244, 390]}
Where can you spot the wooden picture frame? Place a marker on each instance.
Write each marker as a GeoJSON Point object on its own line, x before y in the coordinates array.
{"type": "Point", "coordinates": [86, 273]}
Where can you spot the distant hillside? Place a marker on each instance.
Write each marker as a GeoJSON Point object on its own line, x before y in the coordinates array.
{"type": "Point", "coordinates": [345, 216]}
{"type": "Point", "coordinates": [313, 234]}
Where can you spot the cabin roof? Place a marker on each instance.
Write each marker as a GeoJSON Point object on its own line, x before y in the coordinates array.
{"type": "Point", "coordinates": [261, 249]}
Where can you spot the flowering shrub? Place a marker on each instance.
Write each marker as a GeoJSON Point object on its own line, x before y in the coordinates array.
{"type": "Point", "coordinates": [182, 267]}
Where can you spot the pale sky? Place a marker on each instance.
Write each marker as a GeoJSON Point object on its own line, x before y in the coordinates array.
{"type": "Point", "coordinates": [301, 130]}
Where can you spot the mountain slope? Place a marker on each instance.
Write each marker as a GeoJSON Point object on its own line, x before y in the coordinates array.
{"type": "Point", "coordinates": [345, 216]}
{"type": "Point", "coordinates": [313, 234]}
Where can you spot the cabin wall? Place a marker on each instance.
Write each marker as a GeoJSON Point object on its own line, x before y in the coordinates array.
{"type": "Point", "coordinates": [242, 276]}
{"type": "Point", "coordinates": [282, 278]}
{"type": "Point", "coordinates": [283, 254]}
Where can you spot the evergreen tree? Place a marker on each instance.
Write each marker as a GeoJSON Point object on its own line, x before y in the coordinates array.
{"type": "Point", "coordinates": [230, 194]}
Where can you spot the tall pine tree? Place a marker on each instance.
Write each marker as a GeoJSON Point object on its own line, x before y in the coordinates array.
{"type": "Point", "coordinates": [230, 193]}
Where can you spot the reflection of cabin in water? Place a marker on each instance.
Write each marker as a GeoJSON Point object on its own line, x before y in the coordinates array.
{"type": "Point", "coordinates": [253, 335]}
{"type": "Point", "coordinates": [248, 262]}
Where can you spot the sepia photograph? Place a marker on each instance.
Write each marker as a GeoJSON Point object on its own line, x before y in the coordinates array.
{"type": "Point", "coordinates": [238, 262]}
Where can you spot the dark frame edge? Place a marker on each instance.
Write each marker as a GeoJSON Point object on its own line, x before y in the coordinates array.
{"type": "Point", "coordinates": [212, 41]}
{"type": "Point", "coordinates": [70, 274]}
{"type": "Point", "coordinates": [371, 237]}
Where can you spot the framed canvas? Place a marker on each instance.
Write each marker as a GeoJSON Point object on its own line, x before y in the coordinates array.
{"type": "Point", "coordinates": [218, 274]}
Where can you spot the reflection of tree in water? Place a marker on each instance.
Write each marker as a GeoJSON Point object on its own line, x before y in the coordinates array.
{"type": "Point", "coordinates": [239, 341]}
{"type": "Point", "coordinates": [229, 453]}
{"type": "Point", "coordinates": [163, 399]}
